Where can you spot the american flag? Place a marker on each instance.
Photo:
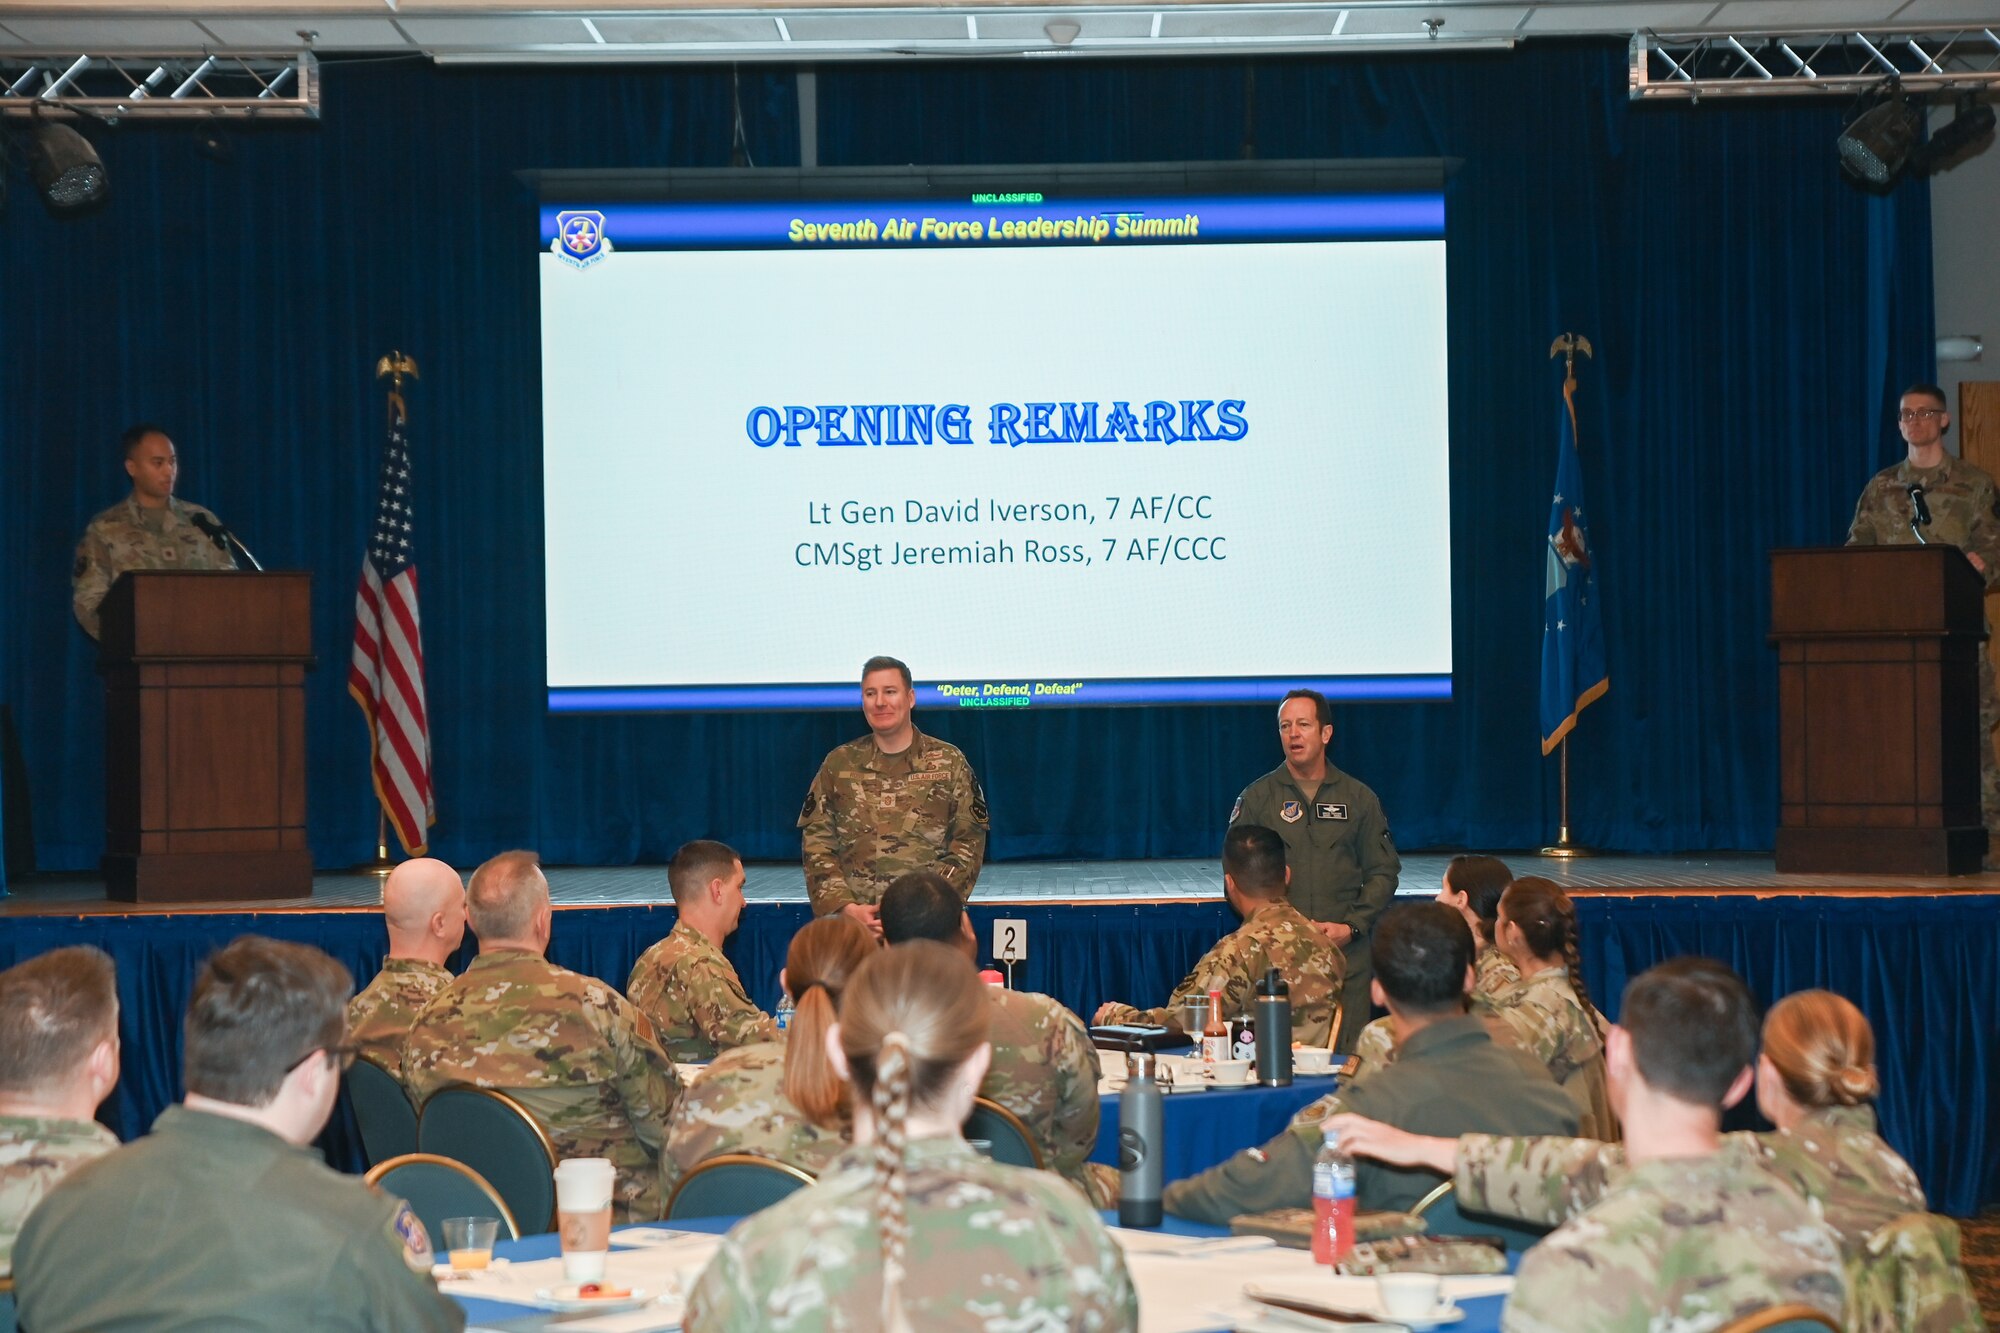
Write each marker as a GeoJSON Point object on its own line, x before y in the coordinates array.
{"type": "Point", "coordinates": [386, 675]}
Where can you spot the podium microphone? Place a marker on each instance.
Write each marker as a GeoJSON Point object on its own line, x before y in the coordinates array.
{"type": "Point", "coordinates": [224, 538]}
{"type": "Point", "coordinates": [1920, 514]}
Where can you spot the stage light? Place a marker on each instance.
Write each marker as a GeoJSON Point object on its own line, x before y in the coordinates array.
{"type": "Point", "coordinates": [1972, 123]}
{"type": "Point", "coordinates": [1877, 143]}
{"type": "Point", "coordinates": [1062, 31]}
{"type": "Point", "coordinates": [66, 168]}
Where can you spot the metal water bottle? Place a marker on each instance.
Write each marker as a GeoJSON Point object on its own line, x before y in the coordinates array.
{"type": "Point", "coordinates": [1141, 1137]}
{"type": "Point", "coordinates": [1274, 1031]}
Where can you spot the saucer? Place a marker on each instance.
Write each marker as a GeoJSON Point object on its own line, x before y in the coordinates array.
{"type": "Point", "coordinates": [565, 1299]}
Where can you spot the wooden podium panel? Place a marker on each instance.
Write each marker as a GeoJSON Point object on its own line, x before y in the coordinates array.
{"type": "Point", "coordinates": [205, 774]}
{"type": "Point", "coordinates": [1878, 708]}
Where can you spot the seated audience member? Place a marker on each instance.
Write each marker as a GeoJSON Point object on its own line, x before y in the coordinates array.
{"type": "Point", "coordinates": [1680, 1225]}
{"type": "Point", "coordinates": [1815, 1080]}
{"type": "Point", "coordinates": [569, 1047]}
{"type": "Point", "coordinates": [223, 1217]}
{"type": "Point", "coordinates": [684, 983]}
{"type": "Point", "coordinates": [423, 905]}
{"type": "Point", "coordinates": [911, 1228]}
{"type": "Point", "coordinates": [1472, 887]}
{"type": "Point", "coordinates": [777, 1099]}
{"type": "Point", "coordinates": [58, 1060]}
{"type": "Point", "coordinates": [1549, 1009]}
{"type": "Point", "coordinates": [1273, 934]}
{"type": "Point", "coordinates": [1044, 1067]}
{"type": "Point", "coordinates": [1449, 1076]}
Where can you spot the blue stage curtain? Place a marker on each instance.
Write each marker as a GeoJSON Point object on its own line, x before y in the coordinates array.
{"type": "Point", "coordinates": [1921, 968]}
{"type": "Point", "coordinates": [1752, 316]}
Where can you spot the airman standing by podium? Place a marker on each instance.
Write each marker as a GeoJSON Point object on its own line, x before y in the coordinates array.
{"type": "Point", "coordinates": [148, 529]}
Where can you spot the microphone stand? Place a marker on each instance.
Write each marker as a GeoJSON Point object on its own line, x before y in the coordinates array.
{"type": "Point", "coordinates": [237, 542]}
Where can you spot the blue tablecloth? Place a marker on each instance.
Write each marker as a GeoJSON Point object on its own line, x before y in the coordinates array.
{"type": "Point", "coordinates": [1204, 1128]}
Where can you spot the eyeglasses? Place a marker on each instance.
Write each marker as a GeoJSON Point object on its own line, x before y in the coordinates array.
{"type": "Point", "coordinates": [1919, 413]}
{"type": "Point", "coordinates": [343, 1051]}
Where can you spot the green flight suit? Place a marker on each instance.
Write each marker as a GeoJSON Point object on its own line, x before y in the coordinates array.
{"type": "Point", "coordinates": [1344, 866]}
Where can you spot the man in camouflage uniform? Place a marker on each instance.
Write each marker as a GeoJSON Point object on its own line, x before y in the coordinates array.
{"type": "Point", "coordinates": [149, 529]}
{"type": "Point", "coordinates": [1044, 1068]}
{"type": "Point", "coordinates": [224, 1216]}
{"type": "Point", "coordinates": [892, 802]}
{"type": "Point", "coordinates": [991, 1247]}
{"type": "Point", "coordinates": [567, 1046]}
{"type": "Point", "coordinates": [423, 906]}
{"type": "Point", "coordinates": [1449, 1072]}
{"type": "Point", "coordinates": [1344, 864]}
{"type": "Point", "coordinates": [58, 1060]}
{"type": "Point", "coordinates": [1273, 934]}
{"type": "Point", "coordinates": [1964, 512]}
{"type": "Point", "coordinates": [684, 983]}
{"type": "Point", "coordinates": [1679, 1224]}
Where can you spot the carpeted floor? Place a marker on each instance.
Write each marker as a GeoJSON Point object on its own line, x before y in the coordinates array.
{"type": "Point", "coordinates": [1980, 1239]}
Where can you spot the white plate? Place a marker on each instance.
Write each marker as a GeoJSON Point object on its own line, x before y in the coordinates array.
{"type": "Point", "coordinates": [566, 1300]}
{"type": "Point", "coordinates": [1291, 1298]}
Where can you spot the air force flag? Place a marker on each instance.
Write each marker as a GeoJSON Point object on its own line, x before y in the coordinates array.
{"type": "Point", "coordinates": [1573, 672]}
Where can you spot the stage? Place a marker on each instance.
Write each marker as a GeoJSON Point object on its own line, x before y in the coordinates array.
{"type": "Point", "coordinates": [1920, 956]}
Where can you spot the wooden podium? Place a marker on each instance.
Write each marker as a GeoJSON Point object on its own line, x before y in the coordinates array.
{"type": "Point", "coordinates": [204, 735]}
{"type": "Point", "coordinates": [1878, 710]}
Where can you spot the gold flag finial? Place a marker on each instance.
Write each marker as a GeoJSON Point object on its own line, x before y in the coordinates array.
{"type": "Point", "coordinates": [395, 366]}
{"type": "Point", "coordinates": [1567, 346]}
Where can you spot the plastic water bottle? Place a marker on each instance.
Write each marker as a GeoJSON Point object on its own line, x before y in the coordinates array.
{"type": "Point", "coordinates": [1333, 1201]}
{"type": "Point", "coordinates": [785, 1010]}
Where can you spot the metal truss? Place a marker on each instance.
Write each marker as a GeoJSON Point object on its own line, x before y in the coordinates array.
{"type": "Point", "coordinates": [160, 87]}
{"type": "Point", "coordinates": [1794, 64]}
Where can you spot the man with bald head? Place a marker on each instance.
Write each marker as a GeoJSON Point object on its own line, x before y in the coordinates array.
{"type": "Point", "coordinates": [423, 904]}
{"type": "Point", "coordinates": [574, 1051]}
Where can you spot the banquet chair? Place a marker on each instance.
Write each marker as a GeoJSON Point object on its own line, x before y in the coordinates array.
{"type": "Point", "coordinates": [1442, 1217]}
{"type": "Point", "coordinates": [437, 1187]}
{"type": "Point", "coordinates": [382, 1110]}
{"type": "Point", "coordinates": [1782, 1319]}
{"type": "Point", "coordinates": [734, 1184]}
{"type": "Point", "coordinates": [994, 1123]}
{"type": "Point", "coordinates": [501, 1140]}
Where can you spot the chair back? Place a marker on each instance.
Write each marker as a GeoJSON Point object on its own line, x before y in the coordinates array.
{"type": "Point", "coordinates": [436, 1188]}
{"type": "Point", "coordinates": [1012, 1144]}
{"type": "Point", "coordinates": [1783, 1319]}
{"type": "Point", "coordinates": [734, 1184]}
{"type": "Point", "coordinates": [382, 1110]}
{"type": "Point", "coordinates": [501, 1140]}
{"type": "Point", "coordinates": [1443, 1217]}
{"type": "Point", "coordinates": [1911, 1279]}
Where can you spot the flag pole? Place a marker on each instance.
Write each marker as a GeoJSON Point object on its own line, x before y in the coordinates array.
{"type": "Point", "coordinates": [392, 367]}
{"type": "Point", "coordinates": [1565, 847]}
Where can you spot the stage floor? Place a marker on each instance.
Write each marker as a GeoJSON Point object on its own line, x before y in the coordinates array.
{"type": "Point", "coordinates": [1053, 882]}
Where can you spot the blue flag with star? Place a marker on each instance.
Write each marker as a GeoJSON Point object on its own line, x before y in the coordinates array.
{"type": "Point", "coordinates": [1573, 673]}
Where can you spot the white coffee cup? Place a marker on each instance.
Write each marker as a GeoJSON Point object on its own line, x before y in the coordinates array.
{"type": "Point", "coordinates": [583, 1215]}
{"type": "Point", "coordinates": [1228, 1073]}
{"type": "Point", "coordinates": [1312, 1060]}
{"type": "Point", "coordinates": [1410, 1295]}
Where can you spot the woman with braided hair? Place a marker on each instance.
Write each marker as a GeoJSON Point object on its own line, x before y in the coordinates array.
{"type": "Point", "coordinates": [910, 1228]}
{"type": "Point", "coordinates": [1549, 1009]}
{"type": "Point", "coordinates": [778, 1099]}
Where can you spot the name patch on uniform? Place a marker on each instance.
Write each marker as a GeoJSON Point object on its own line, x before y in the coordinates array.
{"type": "Point", "coordinates": [1291, 812]}
{"type": "Point", "coordinates": [1324, 810]}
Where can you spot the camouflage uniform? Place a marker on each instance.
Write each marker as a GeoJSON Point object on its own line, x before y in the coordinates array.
{"type": "Point", "coordinates": [692, 994]}
{"type": "Point", "coordinates": [567, 1046]}
{"type": "Point", "coordinates": [871, 817]}
{"type": "Point", "coordinates": [1565, 1034]}
{"type": "Point", "coordinates": [1044, 1070]}
{"type": "Point", "coordinates": [211, 1222]}
{"type": "Point", "coordinates": [1965, 513]}
{"type": "Point", "coordinates": [738, 1104]}
{"type": "Point", "coordinates": [1344, 866]}
{"type": "Point", "coordinates": [1275, 934]}
{"type": "Point", "coordinates": [991, 1247]}
{"type": "Point", "coordinates": [130, 536]}
{"type": "Point", "coordinates": [1493, 972]}
{"type": "Point", "coordinates": [1449, 1076]}
{"type": "Point", "coordinates": [1867, 1195]}
{"type": "Point", "coordinates": [35, 1153]}
{"type": "Point", "coordinates": [1680, 1243]}
{"type": "Point", "coordinates": [386, 1009]}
